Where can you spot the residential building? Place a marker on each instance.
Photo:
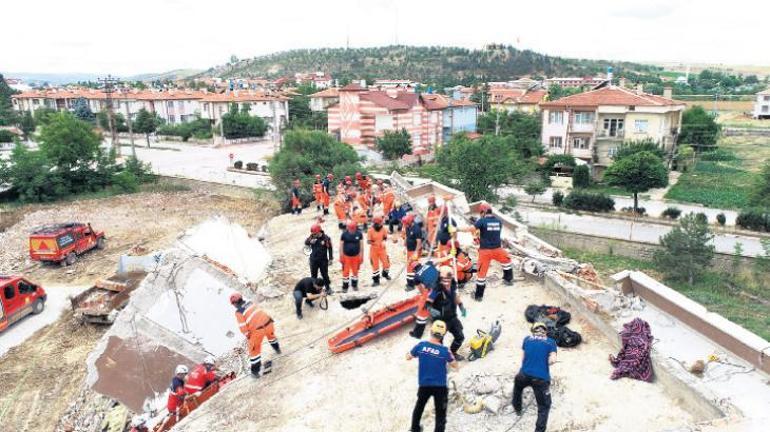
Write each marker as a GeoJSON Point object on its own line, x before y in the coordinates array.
{"type": "Point", "coordinates": [319, 80]}
{"type": "Point", "coordinates": [362, 115]}
{"type": "Point", "coordinates": [516, 99]}
{"type": "Point", "coordinates": [459, 92]}
{"type": "Point", "coordinates": [762, 105]}
{"type": "Point", "coordinates": [321, 100]}
{"type": "Point", "coordinates": [574, 82]}
{"type": "Point", "coordinates": [592, 125]}
{"type": "Point", "coordinates": [273, 109]}
{"type": "Point", "coordinates": [384, 84]}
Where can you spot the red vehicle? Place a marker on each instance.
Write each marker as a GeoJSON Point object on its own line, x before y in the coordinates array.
{"type": "Point", "coordinates": [19, 298]}
{"type": "Point", "coordinates": [62, 243]}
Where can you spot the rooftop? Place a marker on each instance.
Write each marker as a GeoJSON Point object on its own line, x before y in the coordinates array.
{"type": "Point", "coordinates": [331, 92]}
{"type": "Point", "coordinates": [611, 95]}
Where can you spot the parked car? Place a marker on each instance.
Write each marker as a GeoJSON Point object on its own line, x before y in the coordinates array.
{"type": "Point", "coordinates": [19, 298]}
{"type": "Point", "coordinates": [62, 243]}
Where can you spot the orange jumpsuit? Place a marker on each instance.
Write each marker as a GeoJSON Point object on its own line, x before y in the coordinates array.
{"type": "Point", "coordinates": [364, 201]}
{"type": "Point", "coordinates": [463, 266]}
{"type": "Point", "coordinates": [256, 325]}
{"type": "Point", "coordinates": [378, 253]}
{"type": "Point", "coordinates": [341, 208]}
{"type": "Point", "coordinates": [317, 194]}
{"type": "Point", "coordinates": [387, 198]}
{"type": "Point", "coordinates": [325, 197]}
{"type": "Point", "coordinates": [360, 218]}
{"type": "Point", "coordinates": [432, 219]}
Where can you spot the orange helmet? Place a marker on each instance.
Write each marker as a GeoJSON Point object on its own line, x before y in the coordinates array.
{"type": "Point", "coordinates": [318, 176]}
{"type": "Point", "coordinates": [330, 176]}
{"type": "Point", "coordinates": [358, 175]}
{"type": "Point", "coordinates": [408, 219]}
{"type": "Point", "coordinates": [352, 226]}
{"type": "Point", "coordinates": [315, 229]}
{"type": "Point", "coordinates": [235, 298]}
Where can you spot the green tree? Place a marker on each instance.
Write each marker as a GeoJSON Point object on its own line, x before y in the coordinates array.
{"type": "Point", "coordinates": [146, 123]}
{"type": "Point", "coordinates": [102, 119]}
{"type": "Point", "coordinates": [31, 175]}
{"type": "Point", "coordinates": [760, 193]}
{"type": "Point", "coordinates": [239, 124]}
{"type": "Point", "coordinates": [699, 128]}
{"type": "Point", "coordinates": [523, 129]}
{"type": "Point", "coordinates": [82, 110]}
{"type": "Point", "coordinates": [43, 115]}
{"type": "Point", "coordinates": [299, 109]}
{"type": "Point", "coordinates": [629, 148]}
{"type": "Point", "coordinates": [306, 153]}
{"type": "Point", "coordinates": [479, 166]}
{"type": "Point", "coordinates": [581, 177]}
{"type": "Point", "coordinates": [8, 116]}
{"type": "Point", "coordinates": [535, 186]}
{"type": "Point", "coordinates": [558, 92]}
{"type": "Point", "coordinates": [687, 251]}
{"type": "Point", "coordinates": [69, 143]}
{"type": "Point", "coordinates": [394, 144]}
{"type": "Point", "coordinates": [27, 124]}
{"type": "Point", "coordinates": [637, 173]}
{"type": "Point", "coordinates": [481, 97]}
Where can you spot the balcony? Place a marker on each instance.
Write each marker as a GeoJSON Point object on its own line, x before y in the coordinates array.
{"type": "Point", "coordinates": [611, 134]}
{"type": "Point", "coordinates": [582, 127]}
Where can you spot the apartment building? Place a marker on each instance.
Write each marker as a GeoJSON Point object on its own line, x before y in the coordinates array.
{"type": "Point", "coordinates": [516, 99]}
{"type": "Point", "coordinates": [592, 125]}
{"type": "Point", "coordinates": [762, 105]}
{"type": "Point", "coordinates": [323, 99]}
{"type": "Point", "coordinates": [574, 82]}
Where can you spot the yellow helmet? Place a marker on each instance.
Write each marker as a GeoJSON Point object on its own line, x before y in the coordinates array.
{"type": "Point", "coordinates": [538, 326]}
{"type": "Point", "coordinates": [438, 328]}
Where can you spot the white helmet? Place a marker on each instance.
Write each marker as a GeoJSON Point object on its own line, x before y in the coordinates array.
{"type": "Point", "coordinates": [209, 360]}
{"type": "Point", "coordinates": [181, 369]}
{"type": "Point", "coordinates": [138, 421]}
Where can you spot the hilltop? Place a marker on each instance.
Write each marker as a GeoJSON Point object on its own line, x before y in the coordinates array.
{"type": "Point", "coordinates": [431, 65]}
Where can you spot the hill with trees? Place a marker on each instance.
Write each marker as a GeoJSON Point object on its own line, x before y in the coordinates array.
{"type": "Point", "coordinates": [434, 65]}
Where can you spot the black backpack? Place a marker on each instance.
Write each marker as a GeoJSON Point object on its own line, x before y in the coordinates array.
{"type": "Point", "coordinates": [565, 337]}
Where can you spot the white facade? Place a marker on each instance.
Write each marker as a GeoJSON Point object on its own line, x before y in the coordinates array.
{"type": "Point", "coordinates": [762, 105]}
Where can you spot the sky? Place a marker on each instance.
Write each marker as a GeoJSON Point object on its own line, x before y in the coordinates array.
{"type": "Point", "coordinates": [141, 36]}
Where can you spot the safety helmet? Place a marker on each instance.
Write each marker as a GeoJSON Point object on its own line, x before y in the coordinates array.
{"type": "Point", "coordinates": [209, 360]}
{"type": "Point", "coordinates": [181, 369]}
{"type": "Point", "coordinates": [484, 208]}
{"type": "Point", "coordinates": [358, 175]}
{"type": "Point", "coordinates": [235, 298]}
{"type": "Point", "coordinates": [438, 328]}
{"type": "Point", "coordinates": [138, 421]}
{"type": "Point", "coordinates": [352, 226]}
{"type": "Point", "coordinates": [408, 219]}
{"type": "Point", "coordinates": [445, 271]}
{"type": "Point", "coordinates": [315, 229]}
{"type": "Point", "coordinates": [377, 219]}
{"type": "Point", "coordinates": [348, 182]}
{"type": "Point", "coordinates": [330, 176]}
{"type": "Point", "coordinates": [347, 178]}
{"type": "Point", "coordinates": [538, 326]}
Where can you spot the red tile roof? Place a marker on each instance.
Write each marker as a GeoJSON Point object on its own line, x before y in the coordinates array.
{"type": "Point", "coordinates": [532, 97]}
{"type": "Point", "coordinates": [241, 96]}
{"type": "Point", "coordinates": [331, 92]}
{"type": "Point", "coordinates": [498, 94]}
{"type": "Point", "coordinates": [611, 96]}
{"type": "Point", "coordinates": [353, 87]}
{"type": "Point", "coordinates": [382, 99]}
{"type": "Point", "coordinates": [439, 102]}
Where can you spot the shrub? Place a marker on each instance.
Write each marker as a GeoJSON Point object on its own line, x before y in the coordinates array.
{"type": "Point", "coordinates": [562, 160]}
{"type": "Point", "coordinates": [701, 217]}
{"type": "Point", "coordinates": [557, 198]}
{"type": "Point", "coordinates": [641, 211]}
{"type": "Point", "coordinates": [589, 201]}
{"type": "Point", "coordinates": [238, 165]}
{"type": "Point", "coordinates": [6, 136]}
{"type": "Point", "coordinates": [140, 170]}
{"type": "Point", "coordinates": [125, 182]}
{"type": "Point", "coordinates": [718, 155]}
{"type": "Point", "coordinates": [754, 219]}
{"type": "Point", "coordinates": [671, 212]}
{"type": "Point", "coordinates": [252, 166]}
{"type": "Point", "coordinates": [721, 219]}
{"type": "Point", "coordinates": [581, 177]}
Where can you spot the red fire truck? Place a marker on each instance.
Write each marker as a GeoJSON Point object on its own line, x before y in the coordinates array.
{"type": "Point", "coordinates": [19, 298]}
{"type": "Point", "coordinates": [62, 243]}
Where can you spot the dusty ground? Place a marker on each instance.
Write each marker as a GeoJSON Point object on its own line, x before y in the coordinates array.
{"type": "Point", "coordinates": [373, 388]}
{"type": "Point", "coordinates": [42, 376]}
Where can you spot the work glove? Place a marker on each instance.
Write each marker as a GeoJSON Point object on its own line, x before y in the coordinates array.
{"type": "Point", "coordinates": [463, 311]}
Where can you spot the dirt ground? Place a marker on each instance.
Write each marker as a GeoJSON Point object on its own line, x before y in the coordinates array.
{"type": "Point", "coordinates": [42, 376]}
{"type": "Point", "coordinates": [373, 388]}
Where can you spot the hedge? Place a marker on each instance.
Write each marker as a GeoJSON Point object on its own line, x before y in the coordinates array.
{"type": "Point", "coordinates": [754, 219]}
{"type": "Point", "coordinates": [589, 201]}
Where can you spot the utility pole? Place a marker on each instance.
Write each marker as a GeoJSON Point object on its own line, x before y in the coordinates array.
{"type": "Point", "coordinates": [130, 129]}
{"type": "Point", "coordinates": [109, 87]}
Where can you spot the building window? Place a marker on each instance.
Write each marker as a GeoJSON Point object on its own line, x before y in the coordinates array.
{"type": "Point", "coordinates": [554, 142]}
{"type": "Point", "coordinates": [36, 102]}
{"type": "Point", "coordinates": [765, 108]}
{"type": "Point", "coordinates": [416, 139]}
{"type": "Point", "coordinates": [767, 98]}
{"type": "Point", "coordinates": [613, 127]}
{"type": "Point", "coordinates": [171, 119]}
{"type": "Point", "coordinates": [584, 117]}
{"type": "Point", "coordinates": [640, 126]}
{"type": "Point", "coordinates": [612, 151]}
{"type": "Point", "coordinates": [205, 106]}
{"type": "Point", "coordinates": [556, 117]}
{"type": "Point", "coordinates": [170, 104]}
{"type": "Point", "coordinates": [580, 143]}
{"type": "Point", "coordinates": [383, 122]}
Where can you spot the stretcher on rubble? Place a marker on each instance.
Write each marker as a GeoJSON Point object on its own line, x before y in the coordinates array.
{"type": "Point", "coordinates": [192, 402]}
{"type": "Point", "coordinates": [374, 324]}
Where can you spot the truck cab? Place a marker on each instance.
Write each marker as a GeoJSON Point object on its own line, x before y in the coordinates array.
{"type": "Point", "coordinates": [62, 243]}
{"type": "Point", "coordinates": [18, 298]}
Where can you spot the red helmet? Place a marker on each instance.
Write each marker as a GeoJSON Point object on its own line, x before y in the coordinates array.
{"type": "Point", "coordinates": [315, 229]}
{"type": "Point", "coordinates": [347, 178]}
{"type": "Point", "coordinates": [377, 219]}
{"type": "Point", "coordinates": [235, 298]}
{"type": "Point", "coordinates": [330, 176]}
{"type": "Point", "coordinates": [484, 208]}
{"type": "Point", "coordinates": [352, 226]}
{"type": "Point", "coordinates": [408, 219]}
{"type": "Point", "coordinates": [358, 175]}
{"type": "Point", "coordinates": [432, 199]}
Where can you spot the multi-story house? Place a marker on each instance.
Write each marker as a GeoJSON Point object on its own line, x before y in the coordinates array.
{"type": "Point", "coordinates": [516, 99]}
{"type": "Point", "coordinates": [323, 99]}
{"type": "Point", "coordinates": [592, 125]}
{"type": "Point", "coordinates": [362, 115]}
{"type": "Point", "coordinates": [762, 105]}
{"type": "Point", "coordinates": [273, 109]}
{"type": "Point", "coordinates": [574, 82]}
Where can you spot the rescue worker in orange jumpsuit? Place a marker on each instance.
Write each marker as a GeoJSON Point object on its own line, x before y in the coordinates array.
{"type": "Point", "coordinates": [201, 376]}
{"type": "Point", "coordinates": [432, 219]}
{"type": "Point", "coordinates": [360, 218]}
{"type": "Point", "coordinates": [463, 267]}
{"type": "Point", "coordinates": [490, 228]}
{"type": "Point", "coordinates": [422, 315]}
{"type": "Point", "coordinates": [317, 187]}
{"type": "Point", "coordinates": [364, 201]}
{"type": "Point", "coordinates": [445, 234]}
{"type": "Point", "coordinates": [388, 197]}
{"type": "Point", "coordinates": [341, 205]}
{"type": "Point", "coordinates": [351, 256]}
{"type": "Point", "coordinates": [177, 391]}
{"type": "Point", "coordinates": [296, 203]}
{"type": "Point", "coordinates": [378, 254]}
{"type": "Point", "coordinates": [326, 185]}
{"type": "Point", "coordinates": [256, 325]}
{"type": "Point", "coordinates": [413, 237]}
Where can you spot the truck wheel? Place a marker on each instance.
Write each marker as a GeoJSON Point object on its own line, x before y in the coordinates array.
{"type": "Point", "coordinates": [71, 258]}
{"type": "Point", "coordinates": [100, 244]}
{"type": "Point", "coordinates": [38, 306]}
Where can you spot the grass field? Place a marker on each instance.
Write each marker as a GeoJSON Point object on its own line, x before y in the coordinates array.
{"type": "Point", "coordinates": [723, 105]}
{"type": "Point", "coordinates": [743, 301]}
{"type": "Point", "coordinates": [609, 190]}
{"type": "Point", "coordinates": [740, 120]}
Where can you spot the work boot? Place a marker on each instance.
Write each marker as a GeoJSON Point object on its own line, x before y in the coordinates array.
{"type": "Point", "coordinates": [276, 346]}
{"type": "Point", "coordinates": [354, 282]}
{"type": "Point", "coordinates": [458, 357]}
{"type": "Point", "coordinates": [255, 369]}
{"type": "Point", "coordinates": [326, 211]}
{"type": "Point", "coordinates": [385, 274]}
{"type": "Point", "coordinates": [375, 281]}
{"type": "Point", "coordinates": [508, 277]}
{"type": "Point", "coordinates": [309, 303]}
{"type": "Point", "coordinates": [409, 285]}
{"type": "Point", "coordinates": [344, 287]}
{"type": "Point", "coordinates": [299, 316]}
{"type": "Point", "coordinates": [329, 290]}
{"type": "Point", "coordinates": [417, 331]}
{"type": "Point", "coordinates": [479, 294]}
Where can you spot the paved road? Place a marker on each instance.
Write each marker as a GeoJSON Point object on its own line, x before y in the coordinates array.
{"type": "Point", "coordinates": [627, 230]}
{"type": "Point", "coordinates": [57, 302]}
{"type": "Point", "coordinates": [205, 163]}
{"type": "Point", "coordinates": [653, 207]}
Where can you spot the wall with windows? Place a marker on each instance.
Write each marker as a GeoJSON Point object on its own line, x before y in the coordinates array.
{"type": "Point", "coordinates": [554, 135]}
